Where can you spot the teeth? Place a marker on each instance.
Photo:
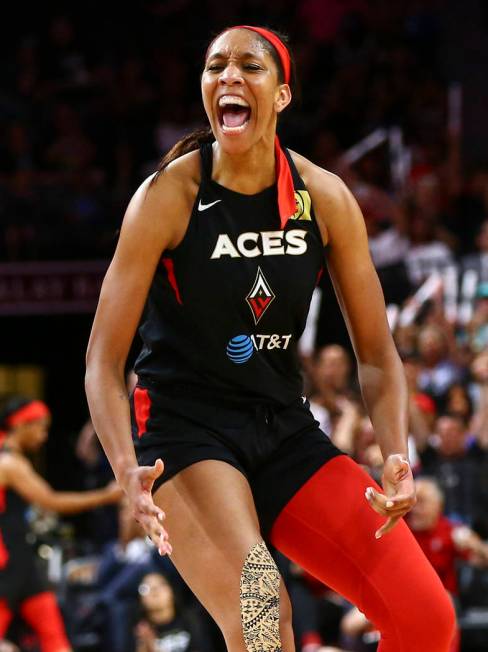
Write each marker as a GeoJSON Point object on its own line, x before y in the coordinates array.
{"type": "Point", "coordinates": [232, 99]}
{"type": "Point", "coordinates": [234, 130]}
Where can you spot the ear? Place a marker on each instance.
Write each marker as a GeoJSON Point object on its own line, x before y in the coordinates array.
{"type": "Point", "coordinates": [283, 97]}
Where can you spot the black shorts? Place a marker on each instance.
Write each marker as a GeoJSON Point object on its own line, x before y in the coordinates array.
{"type": "Point", "coordinates": [277, 448]}
{"type": "Point", "coordinates": [22, 577]}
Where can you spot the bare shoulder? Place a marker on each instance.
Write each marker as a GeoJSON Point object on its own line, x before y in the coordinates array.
{"type": "Point", "coordinates": [324, 186]}
{"type": "Point", "coordinates": [164, 201]}
{"type": "Point", "coordinates": [334, 204]}
{"type": "Point", "coordinates": [11, 463]}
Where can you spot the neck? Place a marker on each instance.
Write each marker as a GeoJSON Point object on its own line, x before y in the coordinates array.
{"type": "Point", "coordinates": [248, 172]}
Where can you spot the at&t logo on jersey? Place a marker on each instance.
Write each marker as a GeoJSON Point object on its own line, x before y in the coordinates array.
{"type": "Point", "coordinates": [264, 243]}
{"type": "Point", "coordinates": [241, 347]}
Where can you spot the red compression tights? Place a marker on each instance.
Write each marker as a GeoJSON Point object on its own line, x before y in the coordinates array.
{"type": "Point", "coordinates": [42, 614]}
{"type": "Point", "coordinates": [328, 529]}
{"type": "Point", "coordinates": [5, 618]}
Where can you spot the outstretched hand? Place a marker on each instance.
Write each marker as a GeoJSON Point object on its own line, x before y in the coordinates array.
{"type": "Point", "coordinates": [138, 486]}
{"type": "Point", "coordinates": [399, 497]}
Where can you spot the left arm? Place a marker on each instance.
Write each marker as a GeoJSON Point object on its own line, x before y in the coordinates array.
{"type": "Point", "coordinates": [380, 370]}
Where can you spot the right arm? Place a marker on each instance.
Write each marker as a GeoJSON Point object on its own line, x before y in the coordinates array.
{"type": "Point", "coordinates": [17, 473]}
{"type": "Point", "coordinates": [154, 221]}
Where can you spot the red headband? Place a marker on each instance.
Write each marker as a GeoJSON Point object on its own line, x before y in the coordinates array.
{"type": "Point", "coordinates": [286, 190]}
{"type": "Point", "coordinates": [278, 45]}
{"type": "Point", "coordinates": [30, 412]}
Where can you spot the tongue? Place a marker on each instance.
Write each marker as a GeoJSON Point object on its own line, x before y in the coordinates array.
{"type": "Point", "coordinates": [235, 118]}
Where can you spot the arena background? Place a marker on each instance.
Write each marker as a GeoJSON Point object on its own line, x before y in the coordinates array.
{"type": "Point", "coordinates": [92, 94]}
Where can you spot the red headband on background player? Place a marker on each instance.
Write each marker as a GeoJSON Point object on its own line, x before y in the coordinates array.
{"type": "Point", "coordinates": [30, 412]}
{"type": "Point", "coordinates": [286, 191]}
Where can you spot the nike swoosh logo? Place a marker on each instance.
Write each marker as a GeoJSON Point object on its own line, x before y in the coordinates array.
{"type": "Point", "coordinates": [203, 207]}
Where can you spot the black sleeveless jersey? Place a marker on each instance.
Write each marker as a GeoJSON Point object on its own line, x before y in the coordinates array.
{"type": "Point", "coordinates": [13, 523]}
{"type": "Point", "coordinates": [226, 306]}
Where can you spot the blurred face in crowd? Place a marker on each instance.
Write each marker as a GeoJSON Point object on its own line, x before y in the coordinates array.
{"type": "Point", "coordinates": [241, 90]}
{"type": "Point", "coordinates": [156, 593]}
{"type": "Point", "coordinates": [452, 436]}
{"type": "Point", "coordinates": [428, 195]}
{"type": "Point", "coordinates": [365, 438]}
{"type": "Point", "coordinates": [431, 345]}
{"type": "Point", "coordinates": [333, 367]}
{"type": "Point", "coordinates": [428, 508]}
{"type": "Point", "coordinates": [458, 401]}
{"type": "Point", "coordinates": [32, 435]}
{"type": "Point", "coordinates": [421, 228]}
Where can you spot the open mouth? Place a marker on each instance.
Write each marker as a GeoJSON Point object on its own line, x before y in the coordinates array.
{"type": "Point", "coordinates": [234, 114]}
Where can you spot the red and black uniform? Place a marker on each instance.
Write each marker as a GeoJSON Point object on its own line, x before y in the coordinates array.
{"type": "Point", "coordinates": [20, 577]}
{"type": "Point", "coordinates": [219, 379]}
{"type": "Point", "coordinates": [24, 589]}
{"type": "Point", "coordinates": [219, 376]}
{"type": "Point", "coordinates": [226, 307]}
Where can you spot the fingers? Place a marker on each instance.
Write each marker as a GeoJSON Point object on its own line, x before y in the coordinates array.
{"type": "Point", "coordinates": [158, 467]}
{"type": "Point", "coordinates": [386, 527]}
{"type": "Point", "coordinates": [150, 473]}
{"type": "Point", "coordinates": [151, 517]}
{"type": "Point", "coordinates": [391, 507]}
{"type": "Point", "coordinates": [156, 532]}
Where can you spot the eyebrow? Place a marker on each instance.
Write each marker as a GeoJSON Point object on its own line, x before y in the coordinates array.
{"type": "Point", "coordinates": [223, 55]}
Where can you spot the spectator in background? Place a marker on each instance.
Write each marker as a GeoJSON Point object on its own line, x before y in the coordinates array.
{"type": "Point", "coordinates": [478, 262]}
{"type": "Point", "coordinates": [458, 401]}
{"type": "Point", "coordinates": [477, 329]}
{"type": "Point", "coordinates": [437, 371]}
{"type": "Point", "coordinates": [122, 565]}
{"type": "Point", "coordinates": [358, 632]}
{"type": "Point", "coordinates": [332, 380]}
{"type": "Point", "coordinates": [426, 253]}
{"type": "Point", "coordinates": [421, 407]}
{"type": "Point", "coordinates": [70, 148]}
{"type": "Point", "coordinates": [479, 387]}
{"type": "Point", "coordinates": [443, 540]}
{"type": "Point", "coordinates": [387, 239]}
{"type": "Point", "coordinates": [458, 465]}
{"type": "Point", "coordinates": [163, 626]}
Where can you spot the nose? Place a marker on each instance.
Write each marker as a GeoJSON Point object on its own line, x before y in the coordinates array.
{"type": "Point", "coordinates": [230, 75]}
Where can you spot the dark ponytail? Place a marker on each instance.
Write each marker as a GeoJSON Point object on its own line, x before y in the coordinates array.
{"type": "Point", "coordinates": [188, 143]}
{"type": "Point", "coordinates": [10, 404]}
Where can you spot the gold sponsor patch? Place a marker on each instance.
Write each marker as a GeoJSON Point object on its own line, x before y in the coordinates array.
{"type": "Point", "coordinates": [303, 205]}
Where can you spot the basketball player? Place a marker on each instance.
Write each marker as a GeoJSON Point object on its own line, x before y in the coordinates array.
{"type": "Point", "coordinates": [222, 249]}
{"type": "Point", "coordinates": [23, 588]}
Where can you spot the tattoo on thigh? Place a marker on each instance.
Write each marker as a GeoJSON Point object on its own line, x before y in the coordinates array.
{"type": "Point", "coordinates": [260, 601]}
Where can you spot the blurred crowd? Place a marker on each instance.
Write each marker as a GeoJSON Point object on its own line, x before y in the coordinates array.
{"type": "Point", "coordinates": [86, 111]}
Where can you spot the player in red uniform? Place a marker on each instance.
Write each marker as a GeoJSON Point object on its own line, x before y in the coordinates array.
{"type": "Point", "coordinates": [23, 588]}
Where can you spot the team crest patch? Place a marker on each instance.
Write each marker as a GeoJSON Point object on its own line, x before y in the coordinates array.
{"type": "Point", "coordinates": [303, 205]}
{"type": "Point", "coordinates": [260, 297]}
